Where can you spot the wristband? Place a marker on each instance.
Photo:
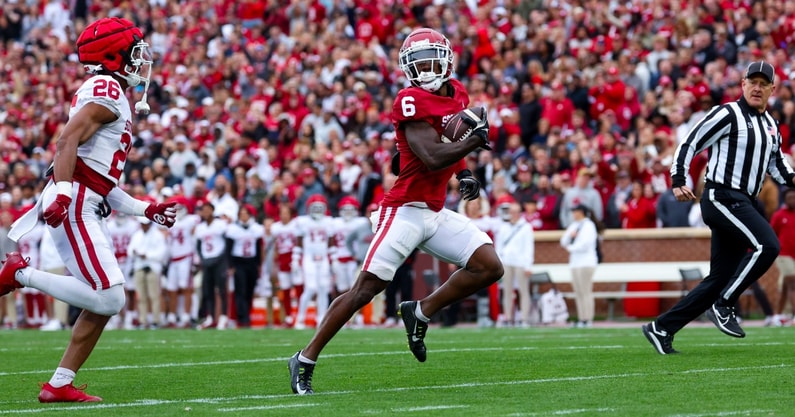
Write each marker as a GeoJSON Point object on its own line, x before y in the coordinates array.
{"type": "Point", "coordinates": [64, 187]}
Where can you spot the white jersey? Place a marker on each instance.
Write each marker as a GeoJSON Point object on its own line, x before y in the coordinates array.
{"type": "Point", "coordinates": [30, 243]}
{"type": "Point", "coordinates": [120, 234]}
{"type": "Point", "coordinates": [284, 237]}
{"type": "Point", "coordinates": [343, 227]}
{"type": "Point", "coordinates": [244, 239]}
{"type": "Point", "coordinates": [180, 239]}
{"type": "Point", "coordinates": [315, 235]}
{"type": "Point", "coordinates": [211, 238]}
{"type": "Point", "coordinates": [106, 151]}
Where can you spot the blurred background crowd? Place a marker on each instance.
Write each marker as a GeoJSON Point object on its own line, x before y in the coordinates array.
{"type": "Point", "coordinates": [271, 101]}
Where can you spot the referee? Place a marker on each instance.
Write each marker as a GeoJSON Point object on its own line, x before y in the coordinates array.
{"type": "Point", "coordinates": [744, 145]}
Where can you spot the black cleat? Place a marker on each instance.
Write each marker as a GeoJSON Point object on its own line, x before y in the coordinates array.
{"type": "Point", "coordinates": [415, 329]}
{"type": "Point", "coordinates": [726, 320]}
{"type": "Point", "coordinates": [300, 376]}
{"type": "Point", "coordinates": [660, 339]}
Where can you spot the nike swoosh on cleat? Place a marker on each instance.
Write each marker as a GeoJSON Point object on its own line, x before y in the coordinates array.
{"type": "Point", "coordinates": [299, 390]}
{"type": "Point", "coordinates": [415, 339]}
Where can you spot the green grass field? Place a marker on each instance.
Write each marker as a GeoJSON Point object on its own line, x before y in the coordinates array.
{"type": "Point", "coordinates": [469, 372]}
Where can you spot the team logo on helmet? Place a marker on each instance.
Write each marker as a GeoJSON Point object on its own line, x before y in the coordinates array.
{"type": "Point", "coordinates": [426, 58]}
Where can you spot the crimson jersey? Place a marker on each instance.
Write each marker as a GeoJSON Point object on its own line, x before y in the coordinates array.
{"type": "Point", "coordinates": [416, 183]}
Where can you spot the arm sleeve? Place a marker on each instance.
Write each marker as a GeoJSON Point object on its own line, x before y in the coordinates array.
{"type": "Point", "coordinates": [124, 203]}
{"type": "Point", "coordinates": [705, 133]}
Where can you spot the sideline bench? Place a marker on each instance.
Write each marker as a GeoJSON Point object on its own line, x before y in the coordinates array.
{"type": "Point", "coordinates": [624, 273]}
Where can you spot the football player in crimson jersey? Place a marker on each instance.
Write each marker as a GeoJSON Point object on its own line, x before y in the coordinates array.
{"type": "Point", "coordinates": [412, 213]}
{"type": "Point", "coordinates": [91, 152]}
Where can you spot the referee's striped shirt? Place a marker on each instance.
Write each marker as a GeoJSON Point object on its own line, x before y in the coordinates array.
{"type": "Point", "coordinates": [743, 145]}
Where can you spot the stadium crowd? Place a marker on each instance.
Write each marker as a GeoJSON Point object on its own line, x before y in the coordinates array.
{"type": "Point", "coordinates": [264, 102]}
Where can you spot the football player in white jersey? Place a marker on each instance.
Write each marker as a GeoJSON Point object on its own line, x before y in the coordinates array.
{"type": "Point", "coordinates": [120, 231]}
{"type": "Point", "coordinates": [91, 153]}
{"type": "Point", "coordinates": [343, 263]}
{"type": "Point", "coordinates": [291, 284]}
{"type": "Point", "coordinates": [312, 250]}
{"type": "Point", "coordinates": [246, 237]}
{"type": "Point", "coordinates": [179, 278]}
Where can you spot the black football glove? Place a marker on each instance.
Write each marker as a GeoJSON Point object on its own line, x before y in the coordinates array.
{"type": "Point", "coordinates": [468, 186]}
{"type": "Point", "coordinates": [481, 128]}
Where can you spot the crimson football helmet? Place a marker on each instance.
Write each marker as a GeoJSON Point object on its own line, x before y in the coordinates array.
{"type": "Point", "coordinates": [316, 206]}
{"type": "Point", "coordinates": [426, 58]}
{"type": "Point", "coordinates": [349, 207]}
{"type": "Point", "coordinates": [116, 45]}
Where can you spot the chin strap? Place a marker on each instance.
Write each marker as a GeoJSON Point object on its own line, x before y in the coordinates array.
{"type": "Point", "coordinates": [142, 107]}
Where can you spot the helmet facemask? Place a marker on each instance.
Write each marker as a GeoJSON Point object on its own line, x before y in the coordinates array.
{"type": "Point", "coordinates": [348, 212]}
{"type": "Point", "coordinates": [139, 67]}
{"type": "Point", "coordinates": [317, 210]}
{"type": "Point", "coordinates": [427, 65]}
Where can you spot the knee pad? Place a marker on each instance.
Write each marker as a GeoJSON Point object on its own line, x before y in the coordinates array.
{"type": "Point", "coordinates": [110, 301]}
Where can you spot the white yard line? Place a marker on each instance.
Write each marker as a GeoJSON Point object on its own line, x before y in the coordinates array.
{"type": "Point", "coordinates": [318, 396]}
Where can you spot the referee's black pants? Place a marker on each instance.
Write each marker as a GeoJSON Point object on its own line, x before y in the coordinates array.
{"type": "Point", "coordinates": [743, 248]}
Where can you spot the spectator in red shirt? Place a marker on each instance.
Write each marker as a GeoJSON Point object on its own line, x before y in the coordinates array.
{"type": "Point", "coordinates": [558, 108]}
{"type": "Point", "coordinates": [640, 210]}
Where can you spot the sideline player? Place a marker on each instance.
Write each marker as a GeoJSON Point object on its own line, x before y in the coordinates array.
{"type": "Point", "coordinates": [412, 214]}
{"type": "Point", "coordinates": [343, 264]}
{"type": "Point", "coordinates": [311, 252]}
{"type": "Point", "coordinates": [90, 157]}
{"type": "Point", "coordinates": [291, 284]}
{"type": "Point", "coordinates": [179, 278]}
{"type": "Point", "coordinates": [120, 229]}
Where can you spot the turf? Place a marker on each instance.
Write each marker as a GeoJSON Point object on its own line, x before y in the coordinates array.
{"type": "Point", "coordinates": [610, 371]}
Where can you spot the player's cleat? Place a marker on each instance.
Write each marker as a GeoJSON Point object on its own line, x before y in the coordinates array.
{"type": "Point", "coordinates": [415, 329]}
{"type": "Point", "coordinates": [300, 375]}
{"type": "Point", "coordinates": [66, 394]}
{"type": "Point", "coordinates": [13, 262]}
{"type": "Point", "coordinates": [725, 319]}
{"type": "Point", "coordinates": [660, 339]}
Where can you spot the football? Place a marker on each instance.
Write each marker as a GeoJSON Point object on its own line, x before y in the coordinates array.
{"type": "Point", "coordinates": [456, 129]}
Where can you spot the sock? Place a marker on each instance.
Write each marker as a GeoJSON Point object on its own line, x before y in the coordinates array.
{"type": "Point", "coordinates": [68, 289]}
{"type": "Point", "coordinates": [62, 377]}
{"type": "Point", "coordinates": [419, 315]}
{"type": "Point", "coordinates": [23, 276]}
{"type": "Point", "coordinates": [304, 359]}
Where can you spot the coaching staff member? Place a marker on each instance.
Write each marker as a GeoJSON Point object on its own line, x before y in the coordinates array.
{"type": "Point", "coordinates": [744, 144]}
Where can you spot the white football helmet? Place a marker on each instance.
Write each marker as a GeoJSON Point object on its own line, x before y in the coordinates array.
{"type": "Point", "coordinates": [426, 58]}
